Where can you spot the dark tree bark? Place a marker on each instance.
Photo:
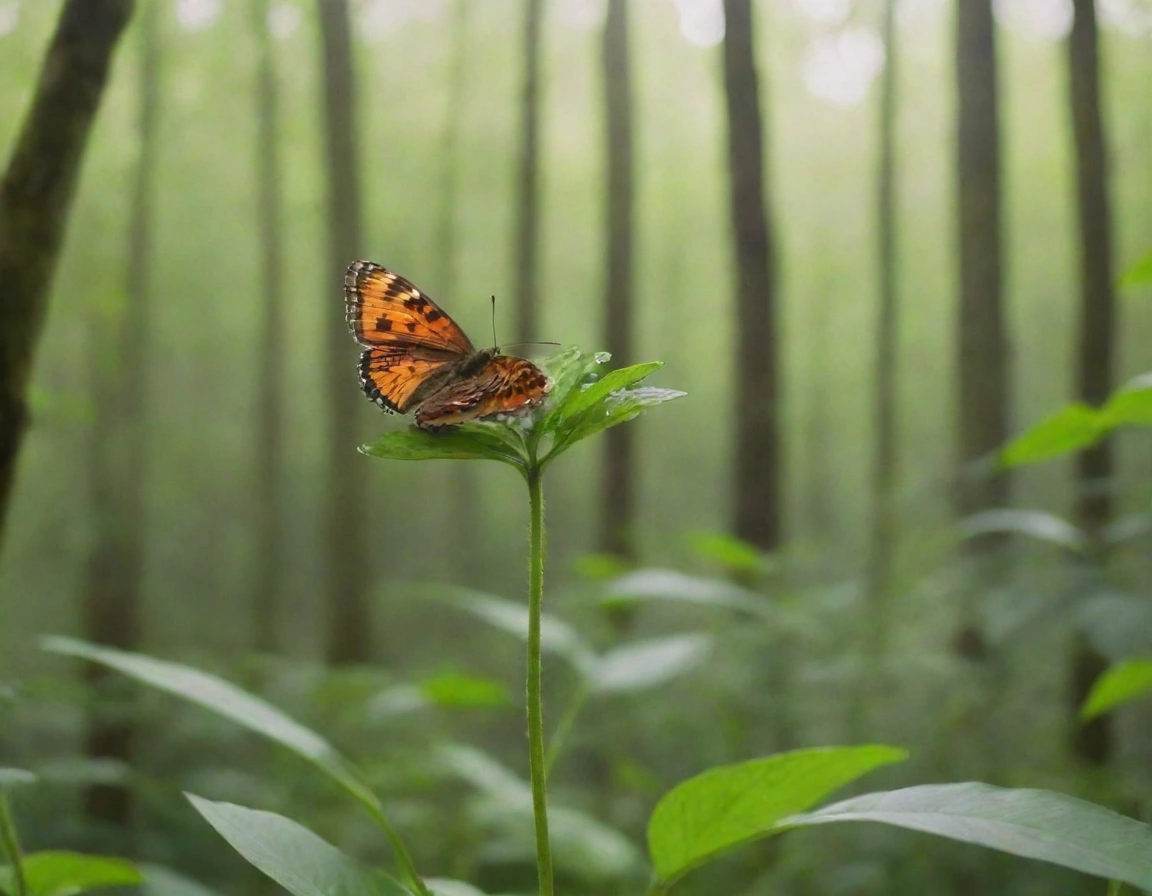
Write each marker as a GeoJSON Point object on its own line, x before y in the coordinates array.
{"type": "Point", "coordinates": [757, 494]}
{"type": "Point", "coordinates": [112, 605]}
{"type": "Point", "coordinates": [466, 547]}
{"type": "Point", "coordinates": [983, 342]}
{"type": "Point", "coordinates": [36, 196]}
{"type": "Point", "coordinates": [1092, 742]}
{"type": "Point", "coordinates": [528, 214]}
{"type": "Point", "coordinates": [617, 500]}
{"type": "Point", "coordinates": [883, 534]}
{"type": "Point", "coordinates": [982, 401]}
{"type": "Point", "coordinates": [349, 624]}
{"type": "Point", "coordinates": [270, 460]}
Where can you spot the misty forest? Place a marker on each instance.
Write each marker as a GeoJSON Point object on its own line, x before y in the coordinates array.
{"type": "Point", "coordinates": [765, 506]}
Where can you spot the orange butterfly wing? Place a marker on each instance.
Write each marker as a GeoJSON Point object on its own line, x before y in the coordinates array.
{"type": "Point", "coordinates": [383, 309]}
{"type": "Point", "coordinates": [390, 377]}
{"type": "Point", "coordinates": [506, 385]}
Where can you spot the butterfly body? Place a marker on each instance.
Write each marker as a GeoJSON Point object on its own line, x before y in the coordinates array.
{"type": "Point", "coordinates": [417, 359]}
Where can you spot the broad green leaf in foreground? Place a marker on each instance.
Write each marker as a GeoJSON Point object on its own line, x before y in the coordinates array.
{"type": "Point", "coordinates": [301, 862]}
{"type": "Point", "coordinates": [476, 441]}
{"type": "Point", "coordinates": [1036, 824]}
{"type": "Point", "coordinates": [61, 873]}
{"type": "Point", "coordinates": [226, 700]}
{"type": "Point", "coordinates": [1122, 683]}
{"type": "Point", "coordinates": [734, 804]}
{"type": "Point", "coordinates": [1072, 428]}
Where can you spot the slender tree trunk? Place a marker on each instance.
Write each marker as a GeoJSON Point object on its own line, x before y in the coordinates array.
{"type": "Point", "coordinates": [36, 196]}
{"type": "Point", "coordinates": [883, 533]}
{"type": "Point", "coordinates": [270, 460]}
{"type": "Point", "coordinates": [112, 606]}
{"type": "Point", "coordinates": [757, 494]}
{"type": "Point", "coordinates": [528, 216]}
{"type": "Point", "coordinates": [617, 501]}
{"type": "Point", "coordinates": [982, 423]}
{"type": "Point", "coordinates": [349, 625]}
{"type": "Point", "coordinates": [1092, 742]}
{"type": "Point", "coordinates": [465, 487]}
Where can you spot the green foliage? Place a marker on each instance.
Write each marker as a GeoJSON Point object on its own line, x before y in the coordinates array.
{"type": "Point", "coordinates": [670, 585]}
{"type": "Point", "coordinates": [301, 862]}
{"type": "Point", "coordinates": [734, 804]}
{"type": "Point", "coordinates": [1078, 426]}
{"type": "Point", "coordinates": [61, 873]}
{"type": "Point", "coordinates": [224, 699]}
{"type": "Point", "coordinates": [580, 404]}
{"type": "Point", "coordinates": [1140, 274]}
{"type": "Point", "coordinates": [14, 777]}
{"type": "Point", "coordinates": [1122, 683]}
{"type": "Point", "coordinates": [1035, 824]}
{"type": "Point", "coordinates": [732, 553]}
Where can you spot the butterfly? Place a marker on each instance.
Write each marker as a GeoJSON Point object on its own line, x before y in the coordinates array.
{"type": "Point", "coordinates": [416, 358]}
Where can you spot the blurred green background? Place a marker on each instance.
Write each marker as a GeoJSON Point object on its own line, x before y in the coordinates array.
{"type": "Point", "coordinates": [763, 687]}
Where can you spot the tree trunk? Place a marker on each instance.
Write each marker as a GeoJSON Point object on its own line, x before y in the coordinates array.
{"type": "Point", "coordinates": [270, 458]}
{"type": "Point", "coordinates": [757, 495]}
{"type": "Point", "coordinates": [527, 219]}
{"type": "Point", "coordinates": [883, 533]}
{"type": "Point", "coordinates": [617, 501]}
{"type": "Point", "coordinates": [1093, 741]}
{"type": "Point", "coordinates": [982, 424]}
{"type": "Point", "coordinates": [349, 624]}
{"type": "Point", "coordinates": [36, 195]}
{"type": "Point", "coordinates": [118, 454]}
{"type": "Point", "coordinates": [466, 548]}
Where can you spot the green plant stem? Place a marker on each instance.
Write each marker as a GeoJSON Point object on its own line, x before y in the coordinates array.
{"type": "Point", "coordinates": [1114, 887]}
{"type": "Point", "coordinates": [402, 855]}
{"type": "Point", "coordinates": [536, 764]}
{"type": "Point", "coordinates": [11, 845]}
{"type": "Point", "coordinates": [571, 711]}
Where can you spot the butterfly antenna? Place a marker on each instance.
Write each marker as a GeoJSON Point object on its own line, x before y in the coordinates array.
{"type": "Point", "coordinates": [515, 344]}
{"type": "Point", "coordinates": [495, 344]}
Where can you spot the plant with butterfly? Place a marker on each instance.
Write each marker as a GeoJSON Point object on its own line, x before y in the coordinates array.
{"type": "Point", "coordinates": [483, 405]}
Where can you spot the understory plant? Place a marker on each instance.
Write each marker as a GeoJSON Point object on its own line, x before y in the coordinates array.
{"type": "Point", "coordinates": [695, 822]}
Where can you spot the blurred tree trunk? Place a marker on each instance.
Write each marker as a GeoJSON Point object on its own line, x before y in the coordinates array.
{"type": "Point", "coordinates": [528, 216]}
{"type": "Point", "coordinates": [883, 533]}
{"type": "Point", "coordinates": [270, 460]}
{"type": "Point", "coordinates": [1092, 742]}
{"type": "Point", "coordinates": [349, 625]}
{"type": "Point", "coordinates": [465, 486]}
{"type": "Point", "coordinates": [756, 492]}
{"type": "Point", "coordinates": [36, 196]}
{"type": "Point", "coordinates": [982, 422]}
{"type": "Point", "coordinates": [118, 454]}
{"type": "Point", "coordinates": [617, 500]}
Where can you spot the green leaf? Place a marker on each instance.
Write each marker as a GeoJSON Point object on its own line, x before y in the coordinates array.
{"type": "Point", "coordinates": [1036, 824]}
{"type": "Point", "coordinates": [1070, 429]}
{"type": "Point", "coordinates": [298, 860]}
{"type": "Point", "coordinates": [667, 584]}
{"type": "Point", "coordinates": [646, 664]}
{"type": "Point", "coordinates": [1131, 405]}
{"type": "Point", "coordinates": [224, 699]}
{"type": "Point", "coordinates": [474, 441]}
{"type": "Point", "coordinates": [1036, 524]}
{"type": "Point", "coordinates": [443, 886]}
{"type": "Point", "coordinates": [59, 873]}
{"type": "Point", "coordinates": [1122, 683]}
{"type": "Point", "coordinates": [1140, 274]}
{"type": "Point", "coordinates": [584, 400]}
{"type": "Point", "coordinates": [453, 689]}
{"type": "Point", "coordinates": [556, 636]}
{"type": "Point", "coordinates": [568, 371]}
{"type": "Point", "coordinates": [734, 804]}
{"type": "Point", "coordinates": [16, 777]}
{"type": "Point", "coordinates": [617, 408]}
{"type": "Point", "coordinates": [729, 551]}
